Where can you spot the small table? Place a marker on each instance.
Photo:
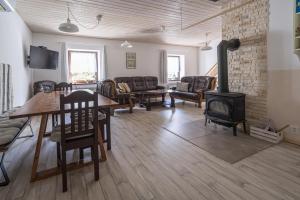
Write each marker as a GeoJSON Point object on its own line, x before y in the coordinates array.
{"type": "Point", "coordinates": [45, 104]}
{"type": "Point", "coordinates": [145, 97]}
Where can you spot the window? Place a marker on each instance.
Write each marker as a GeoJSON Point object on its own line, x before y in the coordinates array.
{"type": "Point", "coordinates": [83, 66]}
{"type": "Point", "coordinates": [174, 67]}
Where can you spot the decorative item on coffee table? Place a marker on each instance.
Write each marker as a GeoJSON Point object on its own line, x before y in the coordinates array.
{"type": "Point", "coordinates": [146, 96]}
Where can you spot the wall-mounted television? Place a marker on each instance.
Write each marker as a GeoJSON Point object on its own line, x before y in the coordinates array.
{"type": "Point", "coordinates": [42, 58]}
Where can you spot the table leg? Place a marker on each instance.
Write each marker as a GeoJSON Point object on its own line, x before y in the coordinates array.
{"type": "Point", "coordinates": [148, 104]}
{"type": "Point", "coordinates": [163, 97]}
{"type": "Point", "coordinates": [108, 130]}
{"type": "Point", "coordinates": [42, 131]}
{"type": "Point", "coordinates": [100, 140]}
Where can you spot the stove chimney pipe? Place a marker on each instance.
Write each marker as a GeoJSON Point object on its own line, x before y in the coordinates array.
{"type": "Point", "coordinates": [225, 45]}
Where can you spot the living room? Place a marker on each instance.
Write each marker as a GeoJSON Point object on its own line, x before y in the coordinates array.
{"type": "Point", "coordinates": [165, 74]}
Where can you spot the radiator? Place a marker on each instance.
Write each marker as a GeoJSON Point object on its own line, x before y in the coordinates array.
{"type": "Point", "coordinates": [6, 89]}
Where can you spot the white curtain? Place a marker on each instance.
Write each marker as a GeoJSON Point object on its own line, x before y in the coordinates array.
{"type": "Point", "coordinates": [103, 65]}
{"type": "Point", "coordinates": [164, 67]}
{"type": "Point", "coordinates": [64, 63]}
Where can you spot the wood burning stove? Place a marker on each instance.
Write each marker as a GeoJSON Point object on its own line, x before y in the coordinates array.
{"type": "Point", "coordinates": [224, 107]}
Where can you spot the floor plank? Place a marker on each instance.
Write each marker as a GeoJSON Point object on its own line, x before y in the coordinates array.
{"type": "Point", "coordinates": [148, 162]}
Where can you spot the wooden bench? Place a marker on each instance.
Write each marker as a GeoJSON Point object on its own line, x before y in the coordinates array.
{"type": "Point", "coordinates": [10, 130]}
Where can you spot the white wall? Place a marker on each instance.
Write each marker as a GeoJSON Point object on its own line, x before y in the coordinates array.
{"type": "Point", "coordinates": [15, 39]}
{"type": "Point", "coordinates": [283, 68]}
{"type": "Point", "coordinates": [207, 59]}
{"type": "Point", "coordinates": [148, 56]}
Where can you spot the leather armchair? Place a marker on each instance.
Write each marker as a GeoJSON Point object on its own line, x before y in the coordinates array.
{"type": "Point", "coordinates": [108, 89]}
{"type": "Point", "coordinates": [198, 85]}
{"type": "Point", "coordinates": [40, 86]}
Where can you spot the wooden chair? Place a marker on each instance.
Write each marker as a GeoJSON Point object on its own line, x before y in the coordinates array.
{"type": "Point", "coordinates": [63, 86]}
{"type": "Point", "coordinates": [81, 132]}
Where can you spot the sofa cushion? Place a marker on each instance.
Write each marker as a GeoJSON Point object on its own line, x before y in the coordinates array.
{"type": "Point", "coordinates": [127, 80]}
{"type": "Point", "coordinates": [190, 81]}
{"type": "Point", "coordinates": [7, 135]}
{"type": "Point", "coordinates": [151, 82]}
{"type": "Point", "coordinates": [139, 83]}
{"type": "Point", "coordinates": [183, 87]}
{"type": "Point", "coordinates": [201, 83]}
{"type": "Point", "coordinates": [17, 123]}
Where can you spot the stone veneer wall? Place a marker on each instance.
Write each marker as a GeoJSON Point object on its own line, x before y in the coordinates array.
{"type": "Point", "coordinates": [248, 65]}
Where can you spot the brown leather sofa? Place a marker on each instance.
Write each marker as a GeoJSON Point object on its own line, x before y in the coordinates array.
{"type": "Point", "coordinates": [198, 85]}
{"type": "Point", "coordinates": [108, 89]}
{"type": "Point", "coordinates": [140, 83]}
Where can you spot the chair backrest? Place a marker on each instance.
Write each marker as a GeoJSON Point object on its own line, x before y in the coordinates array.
{"type": "Point", "coordinates": [107, 88]}
{"type": "Point", "coordinates": [151, 82]}
{"type": "Point", "coordinates": [63, 86]}
{"type": "Point", "coordinates": [81, 106]}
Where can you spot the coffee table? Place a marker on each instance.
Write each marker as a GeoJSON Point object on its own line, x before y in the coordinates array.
{"type": "Point", "coordinates": [145, 97]}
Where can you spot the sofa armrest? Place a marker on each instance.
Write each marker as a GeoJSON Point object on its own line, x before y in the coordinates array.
{"type": "Point", "coordinates": [200, 91]}
{"type": "Point", "coordinates": [160, 87]}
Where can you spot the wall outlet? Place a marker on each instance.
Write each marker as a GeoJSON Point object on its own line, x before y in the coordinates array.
{"type": "Point", "coordinates": [294, 129]}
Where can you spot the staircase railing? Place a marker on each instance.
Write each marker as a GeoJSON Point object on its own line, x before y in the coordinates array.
{"type": "Point", "coordinates": [213, 72]}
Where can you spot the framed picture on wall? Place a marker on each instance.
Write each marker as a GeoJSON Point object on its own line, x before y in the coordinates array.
{"type": "Point", "coordinates": [130, 60]}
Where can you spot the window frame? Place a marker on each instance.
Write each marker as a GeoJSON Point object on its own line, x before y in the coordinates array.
{"type": "Point", "coordinates": [97, 54]}
{"type": "Point", "coordinates": [179, 73]}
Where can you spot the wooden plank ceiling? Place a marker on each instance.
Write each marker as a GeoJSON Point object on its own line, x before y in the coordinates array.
{"type": "Point", "coordinates": [134, 20]}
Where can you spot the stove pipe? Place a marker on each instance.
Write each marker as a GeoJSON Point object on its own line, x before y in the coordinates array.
{"type": "Point", "coordinates": [225, 45]}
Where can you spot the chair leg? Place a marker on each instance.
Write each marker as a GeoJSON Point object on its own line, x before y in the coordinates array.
{"type": "Point", "coordinates": [31, 130]}
{"type": "Point", "coordinates": [58, 154]}
{"type": "Point", "coordinates": [96, 161]}
{"type": "Point", "coordinates": [101, 124]}
{"type": "Point", "coordinates": [108, 132]}
{"type": "Point", "coordinates": [172, 102]}
{"type": "Point", "coordinates": [30, 126]}
{"type": "Point", "coordinates": [81, 155]}
{"type": "Point", "coordinates": [245, 127]}
{"type": "Point", "coordinates": [130, 106]}
{"type": "Point", "coordinates": [5, 176]}
{"type": "Point", "coordinates": [53, 120]}
{"type": "Point", "coordinates": [64, 171]}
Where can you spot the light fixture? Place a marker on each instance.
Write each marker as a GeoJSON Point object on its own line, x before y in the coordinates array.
{"type": "Point", "coordinates": [68, 27]}
{"type": "Point", "coordinates": [126, 44]}
{"type": "Point", "coordinates": [206, 46]}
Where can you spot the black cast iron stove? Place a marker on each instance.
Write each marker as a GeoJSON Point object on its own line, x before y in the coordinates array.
{"type": "Point", "coordinates": [224, 107]}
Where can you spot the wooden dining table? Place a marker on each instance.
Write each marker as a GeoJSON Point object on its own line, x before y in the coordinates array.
{"type": "Point", "coordinates": [45, 104]}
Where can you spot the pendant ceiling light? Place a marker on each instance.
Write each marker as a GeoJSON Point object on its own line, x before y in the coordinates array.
{"type": "Point", "coordinates": [206, 46]}
{"type": "Point", "coordinates": [68, 27]}
{"type": "Point", "coordinates": [126, 44]}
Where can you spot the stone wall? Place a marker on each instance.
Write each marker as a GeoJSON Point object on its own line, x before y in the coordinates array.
{"type": "Point", "coordinates": [248, 65]}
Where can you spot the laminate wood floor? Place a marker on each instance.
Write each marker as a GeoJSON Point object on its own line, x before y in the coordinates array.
{"type": "Point", "coordinates": [148, 162]}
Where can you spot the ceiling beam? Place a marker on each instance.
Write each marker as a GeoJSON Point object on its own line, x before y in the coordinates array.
{"type": "Point", "coordinates": [218, 14]}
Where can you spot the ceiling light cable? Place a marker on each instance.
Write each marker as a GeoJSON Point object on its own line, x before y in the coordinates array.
{"type": "Point", "coordinates": [98, 17]}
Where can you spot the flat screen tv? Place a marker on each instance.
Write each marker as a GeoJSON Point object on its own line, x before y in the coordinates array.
{"type": "Point", "coordinates": [42, 58]}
